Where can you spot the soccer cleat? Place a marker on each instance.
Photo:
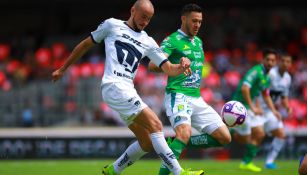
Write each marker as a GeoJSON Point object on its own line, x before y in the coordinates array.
{"type": "Point", "coordinates": [271, 166]}
{"type": "Point", "coordinates": [108, 170]}
{"type": "Point", "coordinates": [250, 166]}
{"type": "Point", "coordinates": [189, 172]}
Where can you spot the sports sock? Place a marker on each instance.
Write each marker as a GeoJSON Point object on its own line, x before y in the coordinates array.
{"type": "Point", "coordinates": [177, 146]}
{"type": "Point", "coordinates": [165, 153]}
{"type": "Point", "coordinates": [251, 152]}
{"type": "Point", "coordinates": [276, 146]}
{"type": "Point", "coordinates": [203, 141]}
{"type": "Point", "coordinates": [132, 154]}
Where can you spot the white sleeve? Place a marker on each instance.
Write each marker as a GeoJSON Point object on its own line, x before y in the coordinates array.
{"type": "Point", "coordinates": [155, 54]}
{"type": "Point", "coordinates": [101, 32]}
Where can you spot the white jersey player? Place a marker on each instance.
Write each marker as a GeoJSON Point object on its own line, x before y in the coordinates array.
{"type": "Point", "coordinates": [126, 44]}
{"type": "Point", "coordinates": [279, 91]}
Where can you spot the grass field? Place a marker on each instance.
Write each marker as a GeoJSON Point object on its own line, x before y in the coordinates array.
{"type": "Point", "coordinates": [143, 167]}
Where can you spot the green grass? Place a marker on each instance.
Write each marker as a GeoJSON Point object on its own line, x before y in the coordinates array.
{"type": "Point", "coordinates": [143, 167]}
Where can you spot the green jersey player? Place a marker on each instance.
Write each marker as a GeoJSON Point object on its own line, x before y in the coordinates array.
{"type": "Point", "coordinates": [184, 106]}
{"type": "Point", "coordinates": [255, 82]}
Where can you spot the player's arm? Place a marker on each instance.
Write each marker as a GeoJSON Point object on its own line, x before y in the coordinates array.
{"type": "Point", "coordinates": [177, 69]}
{"type": "Point", "coordinates": [152, 67]}
{"type": "Point", "coordinates": [268, 100]}
{"type": "Point", "coordinates": [285, 103]}
{"type": "Point", "coordinates": [77, 53]}
{"type": "Point", "coordinates": [247, 97]}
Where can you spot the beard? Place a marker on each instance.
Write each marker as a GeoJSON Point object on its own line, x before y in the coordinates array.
{"type": "Point", "coordinates": [135, 26]}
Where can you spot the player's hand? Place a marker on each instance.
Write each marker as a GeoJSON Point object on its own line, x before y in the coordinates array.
{"type": "Point", "coordinates": [257, 111]}
{"type": "Point", "coordinates": [277, 115]}
{"type": "Point", "coordinates": [289, 111]}
{"type": "Point", "coordinates": [185, 64]}
{"type": "Point", "coordinates": [57, 75]}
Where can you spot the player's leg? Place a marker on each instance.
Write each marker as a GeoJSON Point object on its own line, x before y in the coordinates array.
{"type": "Point", "coordinates": [274, 127]}
{"type": "Point", "coordinates": [135, 151]}
{"type": "Point", "coordinates": [177, 108]}
{"type": "Point", "coordinates": [151, 122]}
{"type": "Point", "coordinates": [303, 166]}
{"type": "Point", "coordinates": [207, 121]}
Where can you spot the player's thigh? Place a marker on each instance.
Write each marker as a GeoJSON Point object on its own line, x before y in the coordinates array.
{"type": "Point", "coordinates": [124, 100]}
{"type": "Point", "coordinates": [178, 109]}
{"type": "Point", "coordinates": [273, 126]}
{"type": "Point", "coordinates": [143, 136]}
{"type": "Point", "coordinates": [204, 118]}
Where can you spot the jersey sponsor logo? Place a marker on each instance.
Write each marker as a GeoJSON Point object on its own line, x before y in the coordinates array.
{"type": "Point", "coordinates": [185, 47]}
{"type": "Point", "coordinates": [128, 56]}
{"type": "Point", "coordinates": [180, 107]}
{"type": "Point", "coordinates": [132, 39]}
{"type": "Point", "coordinates": [197, 54]}
{"type": "Point", "coordinates": [122, 75]}
{"type": "Point", "coordinates": [177, 119]}
{"type": "Point", "coordinates": [187, 52]}
{"type": "Point", "coordinates": [196, 64]}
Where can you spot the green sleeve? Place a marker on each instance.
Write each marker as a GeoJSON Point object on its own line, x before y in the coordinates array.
{"type": "Point", "coordinates": [167, 46]}
{"type": "Point", "coordinates": [251, 77]}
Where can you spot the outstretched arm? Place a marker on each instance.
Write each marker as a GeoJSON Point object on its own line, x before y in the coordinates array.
{"type": "Point", "coordinates": [285, 103]}
{"type": "Point", "coordinates": [177, 69]}
{"type": "Point", "coordinates": [77, 53]}
{"type": "Point", "coordinates": [247, 97]}
{"type": "Point", "coordinates": [268, 100]}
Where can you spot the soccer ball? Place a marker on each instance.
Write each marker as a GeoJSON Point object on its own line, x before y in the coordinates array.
{"type": "Point", "coordinates": [233, 113]}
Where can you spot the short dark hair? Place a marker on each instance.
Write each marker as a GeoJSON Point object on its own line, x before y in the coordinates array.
{"type": "Point", "coordinates": [268, 51]}
{"type": "Point", "coordinates": [191, 8]}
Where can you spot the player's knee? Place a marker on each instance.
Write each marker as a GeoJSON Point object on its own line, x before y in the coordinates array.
{"type": "Point", "coordinates": [226, 139]}
{"type": "Point", "coordinates": [183, 132]}
{"type": "Point", "coordinates": [155, 126]}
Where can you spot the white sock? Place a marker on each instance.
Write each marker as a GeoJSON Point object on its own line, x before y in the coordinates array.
{"type": "Point", "coordinates": [165, 153]}
{"type": "Point", "coordinates": [276, 146]}
{"type": "Point", "coordinates": [132, 154]}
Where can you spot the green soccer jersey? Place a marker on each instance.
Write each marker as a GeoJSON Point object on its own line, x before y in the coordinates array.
{"type": "Point", "coordinates": [257, 79]}
{"type": "Point", "coordinates": [179, 45]}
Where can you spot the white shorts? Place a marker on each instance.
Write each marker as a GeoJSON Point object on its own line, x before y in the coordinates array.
{"type": "Point", "coordinates": [182, 109]}
{"type": "Point", "coordinates": [251, 121]}
{"type": "Point", "coordinates": [271, 122]}
{"type": "Point", "coordinates": [123, 99]}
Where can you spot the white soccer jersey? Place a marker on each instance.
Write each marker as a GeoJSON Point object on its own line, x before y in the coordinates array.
{"type": "Point", "coordinates": [280, 85]}
{"type": "Point", "coordinates": [124, 49]}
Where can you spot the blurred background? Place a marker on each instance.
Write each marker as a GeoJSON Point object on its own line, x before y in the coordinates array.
{"type": "Point", "coordinates": [37, 36]}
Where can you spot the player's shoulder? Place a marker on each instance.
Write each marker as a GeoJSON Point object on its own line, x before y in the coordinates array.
{"type": "Point", "coordinates": [288, 76]}
{"type": "Point", "coordinates": [273, 71]}
{"type": "Point", "coordinates": [197, 39]}
{"type": "Point", "coordinates": [112, 22]}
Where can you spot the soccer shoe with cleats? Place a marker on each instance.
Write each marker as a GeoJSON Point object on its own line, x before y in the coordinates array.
{"type": "Point", "coordinates": [108, 170]}
{"type": "Point", "coordinates": [189, 172]}
{"type": "Point", "coordinates": [249, 166]}
{"type": "Point", "coordinates": [271, 166]}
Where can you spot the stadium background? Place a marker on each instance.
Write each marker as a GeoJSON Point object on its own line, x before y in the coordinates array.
{"type": "Point", "coordinates": [68, 119]}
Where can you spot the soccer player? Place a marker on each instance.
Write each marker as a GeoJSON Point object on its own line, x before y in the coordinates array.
{"type": "Point", "coordinates": [126, 43]}
{"type": "Point", "coordinates": [279, 88]}
{"type": "Point", "coordinates": [255, 82]}
{"type": "Point", "coordinates": [184, 106]}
